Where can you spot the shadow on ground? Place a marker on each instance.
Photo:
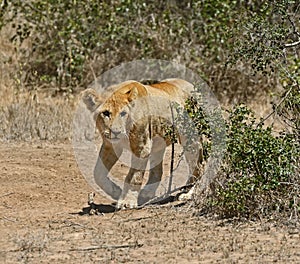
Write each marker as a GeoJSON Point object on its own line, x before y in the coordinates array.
{"type": "Point", "coordinates": [111, 208]}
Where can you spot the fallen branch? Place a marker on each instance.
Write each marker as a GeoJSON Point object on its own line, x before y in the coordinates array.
{"type": "Point", "coordinates": [133, 245]}
{"type": "Point", "coordinates": [6, 194]}
{"type": "Point", "coordinates": [91, 248]}
{"type": "Point", "coordinates": [70, 223]}
{"type": "Point", "coordinates": [165, 196]}
{"type": "Point", "coordinates": [139, 218]}
{"type": "Point", "coordinates": [8, 219]}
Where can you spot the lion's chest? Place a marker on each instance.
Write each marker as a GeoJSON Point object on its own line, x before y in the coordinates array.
{"type": "Point", "coordinates": [146, 136]}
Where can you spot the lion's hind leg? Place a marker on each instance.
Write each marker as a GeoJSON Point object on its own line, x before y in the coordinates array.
{"type": "Point", "coordinates": [196, 167]}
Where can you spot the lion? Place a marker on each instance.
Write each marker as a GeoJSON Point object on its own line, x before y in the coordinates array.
{"type": "Point", "coordinates": [135, 117]}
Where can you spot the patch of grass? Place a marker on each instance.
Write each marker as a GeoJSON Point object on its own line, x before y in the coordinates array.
{"type": "Point", "coordinates": [31, 243]}
{"type": "Point", "coordinates": [31, 117]}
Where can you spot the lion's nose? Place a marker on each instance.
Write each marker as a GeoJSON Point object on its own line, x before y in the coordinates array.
{"type": "Point", "coordinates": [115, 133]}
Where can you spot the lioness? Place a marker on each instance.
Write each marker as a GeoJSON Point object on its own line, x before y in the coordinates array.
{"type": "Point", "coordinates": [135, 117]}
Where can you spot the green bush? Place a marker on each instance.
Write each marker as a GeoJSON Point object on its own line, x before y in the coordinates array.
{"type": "Point", "coordinates": [65, 43]}
{"type": "Point", "coordinates": [261, 171]}
{"type": "Point", "coordinates": [289, 105]}
{"type": "Point", "coordinates": [268, 39]}
{"type": "Point", "coordinates": [259, 174]}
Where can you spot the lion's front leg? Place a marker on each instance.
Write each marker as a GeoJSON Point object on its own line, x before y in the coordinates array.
{"type": "Point", "coordinates": [132, 185]}
{"type": "Point", "coordinates": [106, 160]}
{"type": "Point", "coordinates": [155, 175]}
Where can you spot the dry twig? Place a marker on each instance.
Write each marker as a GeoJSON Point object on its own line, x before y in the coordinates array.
{"type": "Point", "coordinates": [132, 245]}
{"type": "Point", "coordinates": [6, 194]}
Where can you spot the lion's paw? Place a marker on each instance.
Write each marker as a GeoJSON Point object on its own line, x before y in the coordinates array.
{"type": "Point", "coordinates": [127, 204]}
{"type": "Point", "coordinates": [186, 196]}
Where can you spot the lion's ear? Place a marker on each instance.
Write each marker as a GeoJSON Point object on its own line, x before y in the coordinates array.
{"type": "Point", "coordinates": [91, 99]}
{"type": "Point", "coordinates": [133, 93]}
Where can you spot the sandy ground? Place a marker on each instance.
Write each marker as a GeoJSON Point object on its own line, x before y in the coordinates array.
{"type": "Point", "coordinates": [44, 219]}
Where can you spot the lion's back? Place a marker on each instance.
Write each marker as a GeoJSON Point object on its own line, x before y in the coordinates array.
{"type": "Point", "coordinates": [174, 89]}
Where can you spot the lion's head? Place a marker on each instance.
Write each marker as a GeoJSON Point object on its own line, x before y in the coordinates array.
{"type": "Point", "coordinates": [113, 118]}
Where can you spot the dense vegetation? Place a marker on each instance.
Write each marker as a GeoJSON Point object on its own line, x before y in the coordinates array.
{"type": "Point", "coordinates": [241, 48]}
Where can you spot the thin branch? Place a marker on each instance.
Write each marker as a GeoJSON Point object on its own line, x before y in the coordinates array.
{"type": "Point", "coordinates": [294, 44]}
{"type": "Point", "coordinates": [138, 218]}
{"type": "Point", "coordinates": [93, 73]}
{"type": "Point", "coordinates": [296, 83]}
{"type": "Point", "coordinates": [7, 194]}
{"type": "Point", "coordinates": [276, 107]}
{"type": "Point", "coordinates": [294, 26]}
{"type": "Point", "coordinates": [91, 248]}
{"type": "Point", "coordinates": [8, 219]}
{"type": "Point", "coordinates": [70, 223]}
{"type": "Point", "coordinates": [133, 245]}
{"type": "Point", "coordinates": [156, 199]}
{"type": "Point", "coordinates": [172, 151]}
{"type": "Point", "coordinates": [296, 32]}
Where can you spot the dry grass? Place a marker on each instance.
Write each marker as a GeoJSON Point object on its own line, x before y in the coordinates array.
{"type": "Point", "coordinates": [29, 115]}
{"type": "Point", "coordinates": [33, 117]}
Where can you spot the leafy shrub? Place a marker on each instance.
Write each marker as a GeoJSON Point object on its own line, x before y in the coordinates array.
{"type": "Point", "coordinates": [268, 39]}
{"type": "Point", "coordinates": [289, 106]}
{"type": "Point", "coordinates": [66, 43]}
{"type": "Point", "coordinates": [261, 170]}
{"type": "Point", "coordinates": [259, 173]}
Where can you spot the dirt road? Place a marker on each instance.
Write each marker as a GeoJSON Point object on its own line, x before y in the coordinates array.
{"type": "Point", "coordinates": [42, 196]}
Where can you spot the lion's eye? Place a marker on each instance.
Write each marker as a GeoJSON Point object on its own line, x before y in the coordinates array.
{"type": "Point", "coordinates": [123, 113]}
{"type": "Point", "coordinates": [106, 113]}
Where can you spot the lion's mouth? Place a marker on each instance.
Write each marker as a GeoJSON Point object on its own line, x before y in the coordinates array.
{"type": "Point", "coordinates": [115, 138]}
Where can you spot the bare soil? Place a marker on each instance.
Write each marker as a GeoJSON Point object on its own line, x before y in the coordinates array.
{"type": "Point", "coordinates": [44, 218]}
